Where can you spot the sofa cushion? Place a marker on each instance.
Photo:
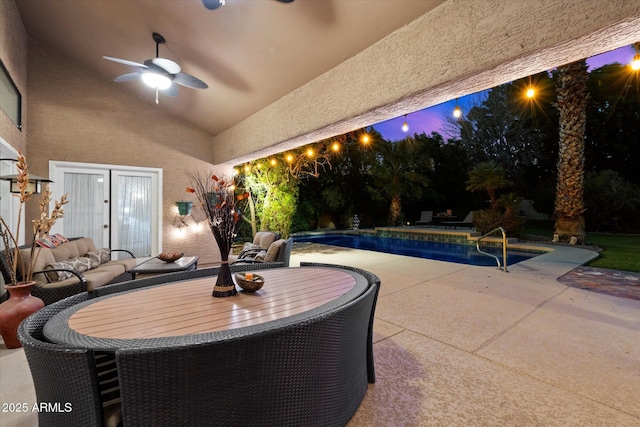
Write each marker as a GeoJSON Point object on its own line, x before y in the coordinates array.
{"type": "Point", "coordinates": [85, 245]}
{"type": "Point", "coordinates": [127, 263]}
{"type": "Point", "coordinates": [114, 269]}
{"type": "Point", "coordinates": [66, 251]}
{"type": "Point", "coordinates": [264, 239]}
{"type": "Point", "coordinates": [96, 278]}
{"type": "Point", "coordinates": [44, 257]}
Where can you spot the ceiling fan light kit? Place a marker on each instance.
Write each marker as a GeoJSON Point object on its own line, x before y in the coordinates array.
{"type": "Point", "coordinates": [159, 73]}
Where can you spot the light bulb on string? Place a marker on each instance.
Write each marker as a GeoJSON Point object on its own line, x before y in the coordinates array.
{"type": "Point", "coordinates": [405, 126]}
{"type": "Point", "coordinates": [457, 112]}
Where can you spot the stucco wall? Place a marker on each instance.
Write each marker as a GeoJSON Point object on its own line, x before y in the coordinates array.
{"type": "Point", "coordinates": [77, 117]}
{"type": "Point", "coordinates": [13, 54]}
{"type": "Point", "coordinates": [461, 47]}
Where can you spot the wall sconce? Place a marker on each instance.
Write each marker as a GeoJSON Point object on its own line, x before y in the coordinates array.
{"type": "Point", "coordinates": [185, 208]}
{"type": "Point", "coordinates": [34, 186]}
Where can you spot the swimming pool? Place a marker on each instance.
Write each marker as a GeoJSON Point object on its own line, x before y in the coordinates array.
{"type": "Point", "coordinates": [440, 251]}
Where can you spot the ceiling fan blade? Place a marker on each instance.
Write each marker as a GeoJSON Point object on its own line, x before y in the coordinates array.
{"type": "Point", "coordinates": [127, 77]}
{"type": "Point", "coordinates": [189, 81]}
{"type": "Point", "coordinates": [168, 65]}
{"type": "Point", "coordinates": [285, 1]}
{"type": "Point", "coordinates": [170, 91]}
{"type": "Point", "coordinates": [124, 61]}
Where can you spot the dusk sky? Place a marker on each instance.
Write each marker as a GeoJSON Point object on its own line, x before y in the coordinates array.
{"type": "Point", "coordinates": [432, 119]}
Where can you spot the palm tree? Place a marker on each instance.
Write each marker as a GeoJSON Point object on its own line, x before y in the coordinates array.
{"type": "Point", "coordinates": [488, 176]}
{"type": "Point", "coordinates": [396, 174]}
{"type": "Point", "coordinates": [571, 102]}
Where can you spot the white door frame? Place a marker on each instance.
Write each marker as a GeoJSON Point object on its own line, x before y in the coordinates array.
{"type": "Point", "coordinates": [56, 173]}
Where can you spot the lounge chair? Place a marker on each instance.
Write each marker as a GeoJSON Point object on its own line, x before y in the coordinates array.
{"type": "Point", "coordinates": [465, 223]}
{"type": "Point", "coordinates": [426, 217]}
{"type": "Point", "coordinates": [278, 251]}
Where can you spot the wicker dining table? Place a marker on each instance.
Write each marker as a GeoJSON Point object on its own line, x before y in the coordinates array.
{"type": "Point", "coordinates": [183, 311]}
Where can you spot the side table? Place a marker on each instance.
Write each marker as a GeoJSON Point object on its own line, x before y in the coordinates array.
{"type": "Point", "coordinates": [157, 266]}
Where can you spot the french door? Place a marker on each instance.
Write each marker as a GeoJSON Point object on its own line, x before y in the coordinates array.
{"type": "Point", "coordinates": [117, 206]}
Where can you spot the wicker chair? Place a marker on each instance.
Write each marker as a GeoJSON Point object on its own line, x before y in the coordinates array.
{"type": "Point", "coordinates": [310, 372]}
{"type": "Point", "coordinates": [74, 378]}
{"type": "Point", "coordinates": [374, 281]}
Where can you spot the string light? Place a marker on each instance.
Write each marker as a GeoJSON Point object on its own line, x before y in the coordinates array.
{"type": "Point", "coordinates": [635, 63]}
{"type": "Point", "coordinates": [457, 112]}
{"type": "Point", "coordinates": [365, 138]}
{"type": "Point", "coordinates": [405, 126]}
{"type": "Point", "coordinates": [335, 147]}
{"type": "Point", "coordinates": [531, 92]}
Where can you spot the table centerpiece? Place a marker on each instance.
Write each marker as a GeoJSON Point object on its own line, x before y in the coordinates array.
{"type": "Point", "coordinates": [217, 198]}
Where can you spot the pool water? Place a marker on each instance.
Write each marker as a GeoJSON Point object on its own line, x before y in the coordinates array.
{"type": "Point", "coordinates": [440, 251]}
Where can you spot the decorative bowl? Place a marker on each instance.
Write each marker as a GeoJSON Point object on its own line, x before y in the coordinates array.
{"type": "Point", "coordinates": [249, 285]}
{"type": "Point", "coordinates": [170, 256]}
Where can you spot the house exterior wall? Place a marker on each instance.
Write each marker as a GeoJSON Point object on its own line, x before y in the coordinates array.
{"type": "Point", "coordinates": [461, 47]}
{"type": "Point", "coordinates": [13, 54]}
{"type": "Point", "coordinates": [75, 116]}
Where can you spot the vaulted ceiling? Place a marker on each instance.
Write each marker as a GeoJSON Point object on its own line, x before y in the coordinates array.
{"type": "Point", "coordinates": [249, 52]}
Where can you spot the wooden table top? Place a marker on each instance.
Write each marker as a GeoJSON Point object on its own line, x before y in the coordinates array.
{"type": "Point", "coordinates": [187, 307]}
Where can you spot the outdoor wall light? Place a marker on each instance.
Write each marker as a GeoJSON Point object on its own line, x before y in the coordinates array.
{"type": "Point", "coordinates": [35, 182]}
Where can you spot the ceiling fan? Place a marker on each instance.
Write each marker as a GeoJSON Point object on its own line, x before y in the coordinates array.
{"type": "Point", "coordinates": [159, 73]}
{"type": "Point", "coordinates": [215, 4]}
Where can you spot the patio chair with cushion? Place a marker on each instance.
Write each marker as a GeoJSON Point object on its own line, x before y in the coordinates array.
{"type": "Point", "coordinates": [278, 251]}
{"type": "Point", "coordinates": [261, 241]}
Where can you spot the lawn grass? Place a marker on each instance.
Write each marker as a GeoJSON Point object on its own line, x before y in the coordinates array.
{"type": "Point", "coordinates": [619, 251]}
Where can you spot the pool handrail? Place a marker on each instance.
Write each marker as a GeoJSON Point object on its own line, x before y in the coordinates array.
{"type": "Point", "coordinates": [504, 248]}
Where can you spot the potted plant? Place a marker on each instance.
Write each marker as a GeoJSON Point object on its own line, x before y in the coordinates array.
{"type": "Point", "coordinates": [21, 303]}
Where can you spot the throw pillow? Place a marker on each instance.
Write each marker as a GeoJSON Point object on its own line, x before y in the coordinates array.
{"type": "Point", "coordinates": [81, 263]}
{"type": "Point", "coordinates": [260, 256]}
{"type": "Point", "coordinates": [105, 255]}
{"type": "Point", "coordinates": [52, 241]}
{"type": "Point", "coordinates": [274, 251]}
{"type": "Point", "coordinates": [55, 276]}
{"type": "Point", "coordinates": [94, 258]}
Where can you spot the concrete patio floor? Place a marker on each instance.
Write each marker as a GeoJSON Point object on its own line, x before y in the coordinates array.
{"type": "Point", "coordinates": [458, 345]}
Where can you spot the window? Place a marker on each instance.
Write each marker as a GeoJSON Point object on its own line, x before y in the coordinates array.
{"type": "Point", "coordinates": [10, 98]}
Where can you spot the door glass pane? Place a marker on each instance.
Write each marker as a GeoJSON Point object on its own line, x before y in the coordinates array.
{"type": "Point", "coordinates": [134, 214]}
{"type": "Point", "coordinates": [83, 216]}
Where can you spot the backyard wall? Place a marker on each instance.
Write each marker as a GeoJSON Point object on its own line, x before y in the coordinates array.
{"type": "Point", "coordinates": [77, 117]}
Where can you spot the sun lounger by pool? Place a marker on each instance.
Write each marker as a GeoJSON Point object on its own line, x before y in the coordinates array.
{"type": "Point", "coordinates": [425, 218]}
{"type": "Point", "coordinates": [466, 222]}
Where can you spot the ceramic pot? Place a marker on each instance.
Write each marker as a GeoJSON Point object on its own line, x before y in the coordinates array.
{"type": "Point", "coordinates": [14, 310]}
